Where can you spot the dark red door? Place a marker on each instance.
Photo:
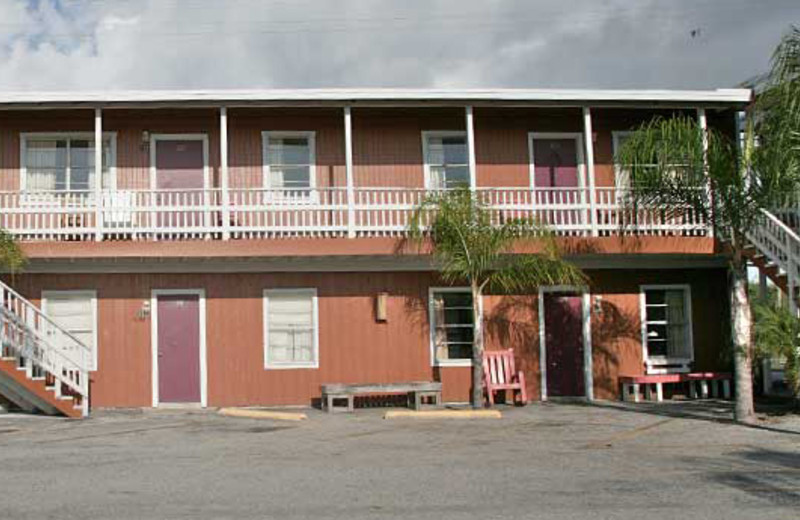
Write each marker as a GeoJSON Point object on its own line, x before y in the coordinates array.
{"type": "Point", "coordinates": [178, 348]}
{"type": "Point", "coordinates": [563, 326]}
{"type": "Point", "coordinates": [179, 165]}
{"type": "Point", "coordinates": [555, 163]}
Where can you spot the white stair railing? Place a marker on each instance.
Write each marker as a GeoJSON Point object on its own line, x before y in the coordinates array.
{"type": "Point", "coordinates": [780, 245]}
{"type": "Point", "coordinates": [42, 347]}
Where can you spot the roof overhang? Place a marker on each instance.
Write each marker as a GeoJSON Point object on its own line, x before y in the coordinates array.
{"type": "Point", "coordinates": [377, 97]}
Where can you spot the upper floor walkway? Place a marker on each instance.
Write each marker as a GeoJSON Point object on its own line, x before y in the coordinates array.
{"type": "Point", "coordinates": [237, 165]}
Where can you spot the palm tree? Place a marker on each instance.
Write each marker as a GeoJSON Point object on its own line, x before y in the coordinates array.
{"type": "Point", "coordinates": [471, 246]}
{"type": "Point", "coordinates": [674, 167]}
{"type": "Point", "coordinates": [777, 334]}
{"type": "Point", "coordinates": [11, 256]}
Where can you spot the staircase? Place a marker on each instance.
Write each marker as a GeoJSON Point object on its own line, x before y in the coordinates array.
{"type": "Point", "coordinates": [776, 252]}
{"type": "Point", "coordinates": [42, 366]}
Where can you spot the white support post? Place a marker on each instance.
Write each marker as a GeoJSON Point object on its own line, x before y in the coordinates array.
{"type": "Point", "coordinates": [702, 122]}
{"type": "Point", "coordinates": [348, 159]}
{"type": "Point", "coordinates": [473, 167]}
{"type": "Point", "coordinates": [98, 174]}
{"type": "Point", "coordinates": [588, 144]}
{"type": "Point", "coordinates": [223, 177]}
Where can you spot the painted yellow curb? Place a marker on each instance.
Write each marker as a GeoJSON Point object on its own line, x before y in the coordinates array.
{"type": "Point", "coordinates": [443, 414]}
{"type": "Point", "coordinates": [263, 414]}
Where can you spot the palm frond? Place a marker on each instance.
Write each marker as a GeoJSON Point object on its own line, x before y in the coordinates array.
{"type": "Point", "coordinates": [472, 243]}
{"type": "Point", "coordinates": [11, 256]}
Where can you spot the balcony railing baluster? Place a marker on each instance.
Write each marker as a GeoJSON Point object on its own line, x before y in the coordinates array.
{"type": "Point", "coordinates": [317, 212]}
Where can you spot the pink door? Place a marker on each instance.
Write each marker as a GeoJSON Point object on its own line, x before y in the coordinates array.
{"type": "Point", "coordinates": [563, 325]}
{"type": "Point", "coordinates": [555, 165]}
{"type": "Point", "coordinates": [180, 169]}
{"type": "Point", "coordinates": [178, 348]}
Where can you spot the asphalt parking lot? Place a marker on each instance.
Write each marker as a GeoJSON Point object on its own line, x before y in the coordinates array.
{"type": "Point", "coordinates": [542, 461]}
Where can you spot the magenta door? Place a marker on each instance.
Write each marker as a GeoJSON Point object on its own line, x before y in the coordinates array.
{"type": "Point", "coordinates": [179, 165]}
{"type": "Point", "coordinates": [180, 170]}
{"type": "Point", "coordinates": [563, 326]}
{"type": "Point", "coordinates": [555, 163]}
{"type": "Point", "coordinates": [178, 348]}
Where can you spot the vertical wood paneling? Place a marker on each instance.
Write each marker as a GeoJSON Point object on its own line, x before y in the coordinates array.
{"type": "Point", "coordinates": [387, 143]}
{"type": "Point", "coordinates": [354, 348]}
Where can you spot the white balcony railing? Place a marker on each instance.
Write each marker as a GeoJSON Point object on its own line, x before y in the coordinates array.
{"type": "Point", "coordinates": [267, 213]}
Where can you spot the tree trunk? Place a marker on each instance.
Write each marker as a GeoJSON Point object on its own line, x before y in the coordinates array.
{"type": "Point", "coordinates": [741, 325]}
{"type": "Point", "coordinates": [477, 348]}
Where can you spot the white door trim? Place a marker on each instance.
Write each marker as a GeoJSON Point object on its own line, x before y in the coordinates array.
{"type": "Point", "coordinates": [201, 293]}
{"type": "Point", "coordinates": [154, 138]}
{"type": "Point", "coordinates": [588, 375]}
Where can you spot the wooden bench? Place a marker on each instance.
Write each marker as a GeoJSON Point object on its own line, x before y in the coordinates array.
{"type": "Point", "coordinates": [702, 379]}
{"type": "Point", "coordinates": [417, 391]}
{"type": "Point", "coordinates": [632, 384]}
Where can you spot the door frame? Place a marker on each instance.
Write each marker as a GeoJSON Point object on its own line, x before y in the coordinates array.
{"type": "Point", "coordinates": [579, 154]}
{"type": "Point", "coordinates": [586, 305]}
{"type": "Point", "coordinates": [201, 293]}
{"type": "Point", "coordinates": [154, 138]}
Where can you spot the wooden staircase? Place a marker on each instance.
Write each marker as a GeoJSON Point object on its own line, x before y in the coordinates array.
{"type": "Point", "coordinates": [775, 251]}
{"type": "Point", "coordinates": [42, 366]}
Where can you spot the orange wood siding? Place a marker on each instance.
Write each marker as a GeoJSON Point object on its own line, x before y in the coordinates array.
{"type": "Point", "coordinates": [353, 346]}
{"type": "Point", "coordinates": [387, 143]}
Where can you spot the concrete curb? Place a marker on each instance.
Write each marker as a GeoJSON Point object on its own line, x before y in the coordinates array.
{"type": "Point", "coordinates": [262, 414]}
{"type": "Point", "coordinates": [443, 414]}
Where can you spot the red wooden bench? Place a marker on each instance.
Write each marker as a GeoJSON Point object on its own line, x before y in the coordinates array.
{"type": "Point", "coordinates": [717, 379]}
{"type": "Point", "coordinates": [500, 374]}
{"type": "Point", "coordinates": [632, 384]}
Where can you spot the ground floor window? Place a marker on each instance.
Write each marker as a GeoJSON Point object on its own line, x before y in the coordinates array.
{"type": "Point", "coordinates": [291, 328]}
{"type": "Point", "coordinates": [452, 326]}
{"type": "Point", "coordinates": [667, 324]}
{"type": "Point", "coordinates": [76, 312]}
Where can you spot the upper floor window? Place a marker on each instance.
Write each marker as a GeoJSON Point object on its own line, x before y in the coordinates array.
{"type": "Point", "coordinates": [446, 160]}
{"type": "Point", "coordinates": [291, 328]}
{"type": "Point", "coordinates": [667, 325]}
{"type": "Point", "coordinates": [64, 162]}
{"type": "Point", "coordinates": [452, 326]}
{"type": "Point", "coordinates": [289, 159]}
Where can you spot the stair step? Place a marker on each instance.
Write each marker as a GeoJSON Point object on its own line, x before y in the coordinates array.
{"type": "Point", "coordinates": [37, 378]}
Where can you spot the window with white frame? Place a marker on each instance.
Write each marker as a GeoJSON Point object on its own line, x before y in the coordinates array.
{"type": "Point", "coordinates": [452, 326]}
{"type": "Point", "coordinates": [289, 160]}
{"type": "Point", "coordinates": [446, 160]}
{"type": "Point", "coordinates": [76, 312]}
{"type": "Point", "coordinates": [667, 323]}
{"type": "Point", "coordinates": [64, 162]}
{"type": "Point", "coordinates": [291, 328]}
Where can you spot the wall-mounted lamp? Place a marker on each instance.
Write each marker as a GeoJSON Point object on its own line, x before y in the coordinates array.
{"type": "Point", "coordinates": [597, 304]}
{"type": "Point", "coordinates": [145, 137]}
{"type": "Point", "coordinates": [381, 303]}
{"type": "Point", "coordinates": [144, 311]}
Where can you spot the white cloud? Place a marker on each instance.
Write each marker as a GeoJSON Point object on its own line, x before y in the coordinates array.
{"type": "Point", "coordinates": [92, 44]}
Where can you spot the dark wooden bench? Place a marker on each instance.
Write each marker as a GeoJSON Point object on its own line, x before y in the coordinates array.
{"type": "Point", "coordinates": [417, 392]}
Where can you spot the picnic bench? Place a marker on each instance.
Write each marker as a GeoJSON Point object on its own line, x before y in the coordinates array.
{"type": "Point", "coordinates": [720, 385]}
{"type": "Point", "coordinates": [417, 391]}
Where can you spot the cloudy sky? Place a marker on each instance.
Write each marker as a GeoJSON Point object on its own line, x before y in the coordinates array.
{"type": "Point", "coordinates": [136, 44]}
